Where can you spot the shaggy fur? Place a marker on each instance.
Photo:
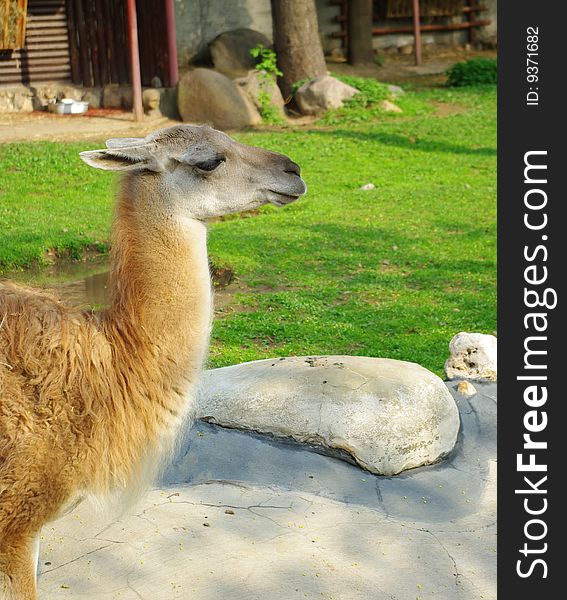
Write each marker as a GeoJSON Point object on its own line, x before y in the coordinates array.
{"type": "Point", "coordinates": [85, 398]}
{"type": "Point", "coordinates": [89, 401]}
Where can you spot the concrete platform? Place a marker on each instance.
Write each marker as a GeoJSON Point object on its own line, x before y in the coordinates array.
{"type": "Point", "coordinates": [240, 516]}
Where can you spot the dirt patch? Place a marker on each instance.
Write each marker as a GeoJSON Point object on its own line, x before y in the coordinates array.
{"type": "Point", "coordinates": [84, 284]}
{"type": "Point", "coordinates": [96, 124]}
{"type": "Point", "coordinates": [227, 303]}
{"type": "Point", "coordinates": [447, 109]}
{"type": "Point", "coordinates": [221, 276]}
{"type": "Point", "coordinates": [59, 259]}
{"type": "Point", "coordinates": [400, 68]}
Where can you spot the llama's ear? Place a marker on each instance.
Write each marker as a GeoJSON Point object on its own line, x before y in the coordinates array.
{"type": "Point", "coordinates": [123, 159]}
{"type": "Point", "coordinates": [124, 142]}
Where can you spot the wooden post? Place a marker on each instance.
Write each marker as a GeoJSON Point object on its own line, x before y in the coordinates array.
{"type": "Point", "coordinates": [470, 17]}
{"type": "Point", "coordinates": [416, 32]}
{"type": "Point", "coordinates": [5, 42]}
{"type": "Point", "coordinates": [173, 72]}
{"type": "Point", "coordinates": [135, 61]}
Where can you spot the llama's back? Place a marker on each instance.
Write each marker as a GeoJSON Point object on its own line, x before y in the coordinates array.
{"type": "Point", "coordinates": [51, 360]}
{"type": "Point", "coordinates": [77, 396]}
{"type": "Point", "coordinates": [36, 343]}
{"type": "Point", "coordinates": [35, 428]}
{"type": "Point", "coordinates": [30, 332]}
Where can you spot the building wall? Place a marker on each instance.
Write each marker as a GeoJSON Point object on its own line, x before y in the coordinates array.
{"type": "Point", "coordinates": [45, 56]}
{"type": "Point", "coordinates": [200, 21]}
{"type": "Point", "coordinates": [488, 34]}
{"type": "Point", "coordinates": [326, 14]}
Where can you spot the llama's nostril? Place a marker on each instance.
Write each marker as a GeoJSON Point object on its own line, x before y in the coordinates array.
{"type": "Point", "coordinates": [293, 168]}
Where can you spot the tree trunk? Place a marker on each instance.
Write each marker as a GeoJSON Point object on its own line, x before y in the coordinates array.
{"type": "Point", "coordinates": [297, 42]}
{"type": "Point", "coordinates": [360, 23]}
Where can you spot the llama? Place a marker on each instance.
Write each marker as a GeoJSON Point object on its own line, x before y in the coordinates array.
{"type": "Point", "coordinates": [87, 400]}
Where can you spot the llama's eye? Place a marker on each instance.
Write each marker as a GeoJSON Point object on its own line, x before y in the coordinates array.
{"type": "Point", "coordinates": [210, 165]}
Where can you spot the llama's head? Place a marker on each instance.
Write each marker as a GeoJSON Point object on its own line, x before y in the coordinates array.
{"type": "Point", "coordinates": [202, 172]}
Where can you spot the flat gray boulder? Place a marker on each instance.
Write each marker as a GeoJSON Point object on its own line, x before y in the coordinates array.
{"type": "Point", "coordinates": [322, 94]}
{"type": "Point", "coordinates": [472, 356]}
{"type": "Point", "coordinates": [389, 415]}
{"type": "Point", "coordinates": [205, 96]}
{"type": "Point", "coordinates": [230, 51]}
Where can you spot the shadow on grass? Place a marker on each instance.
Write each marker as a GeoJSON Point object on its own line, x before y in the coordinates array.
{"type": "Point", "coordinates": [406, 142]}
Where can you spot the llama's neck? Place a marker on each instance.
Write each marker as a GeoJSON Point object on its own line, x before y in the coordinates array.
{"type": "Point", "coordinates": [160, 282]}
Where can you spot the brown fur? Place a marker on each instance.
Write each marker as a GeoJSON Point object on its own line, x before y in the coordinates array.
{"type": "Point", "coordinates": [90, 402]}
{"type": "Point", "coordinates": [84, 398]}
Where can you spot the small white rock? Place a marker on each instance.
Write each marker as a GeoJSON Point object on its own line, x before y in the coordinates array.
{"type": "Point", "coordinates": [390, 106]}
{"type": "Point", "coordinates": [472, 356]}
{"type": "Point", "coordinates": [395, 91]}
{"type": "Point", "coordinates": [367, 186]}
{"type": "Point", "coordinates": [466, 388]}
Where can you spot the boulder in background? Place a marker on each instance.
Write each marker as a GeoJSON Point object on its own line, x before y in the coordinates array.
{"type": "Point", "coordinates": [230, 51]}
{"type": "Point", "coordinates": [321, 94]}
{"type": "Point", "coordinates": [205, 96]}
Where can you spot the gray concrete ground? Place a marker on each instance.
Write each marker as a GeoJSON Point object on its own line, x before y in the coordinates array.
{"type": "Point", "coordinates": [242, 516]}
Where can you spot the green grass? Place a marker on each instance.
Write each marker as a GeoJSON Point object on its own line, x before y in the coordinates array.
{"type": "Point", "coordinates": [392, 272]}
{"type": "Point", "coordinates": [366, 104]}
{"type": "Point", "coordinates": [50, 200]}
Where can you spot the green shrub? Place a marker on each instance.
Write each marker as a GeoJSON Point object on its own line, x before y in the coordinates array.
{"type": "Point", "coordinates": [267, 68]}
{"type": "Point", "coordinates": [477, 71]}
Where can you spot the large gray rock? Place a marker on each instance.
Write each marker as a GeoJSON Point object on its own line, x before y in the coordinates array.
{"type": "Point", "coordinates": [254, 84]}
{"type": "Point", "coordinates": [322, 94]}
{"type": "Point", "coordinates": [472, 356]}
{"type": "Point", "coordinates": [205, 96]}
{"type": "Point", "coordinates": [389, 415]}
{"type": "Point", "coordinates": [230, 51]}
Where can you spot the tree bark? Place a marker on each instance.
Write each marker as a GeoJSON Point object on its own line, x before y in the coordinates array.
{"type": "Point", "coordinates": [297, 42]}
{"type": "Point", "coordinates": [360, 23]}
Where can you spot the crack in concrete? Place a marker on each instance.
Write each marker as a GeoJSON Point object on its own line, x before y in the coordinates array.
{"type": "Point", "coordinates": [237, 484]}
{"type": "Point", "coordinates": [155, 527]}
{"type": "Point", "coordinates": [457, 574]}
{"type": "Point", "coordinates": [476, 417]}
{"type": "Point", "coordinates": [236, 506]}
{"type": "Point", "coordinates": [265, 517]}
{"type": "Point", "coordinates": [436, 530]}
{"type": "Point", "coordinates": [381, 498]}
{"type": "Point", "coordinates": [131, 587]}
{"type": "Point", "coordinates": [233, 506]}
{"type": "Point", "coordinates": [75, 559]}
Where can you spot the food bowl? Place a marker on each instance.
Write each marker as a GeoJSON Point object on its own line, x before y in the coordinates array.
{"type": "Point", "coordinates": [67, 106]}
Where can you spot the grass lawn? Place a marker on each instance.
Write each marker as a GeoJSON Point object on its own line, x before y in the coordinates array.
{"type": "Point", "coordinates": [394, 272]}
